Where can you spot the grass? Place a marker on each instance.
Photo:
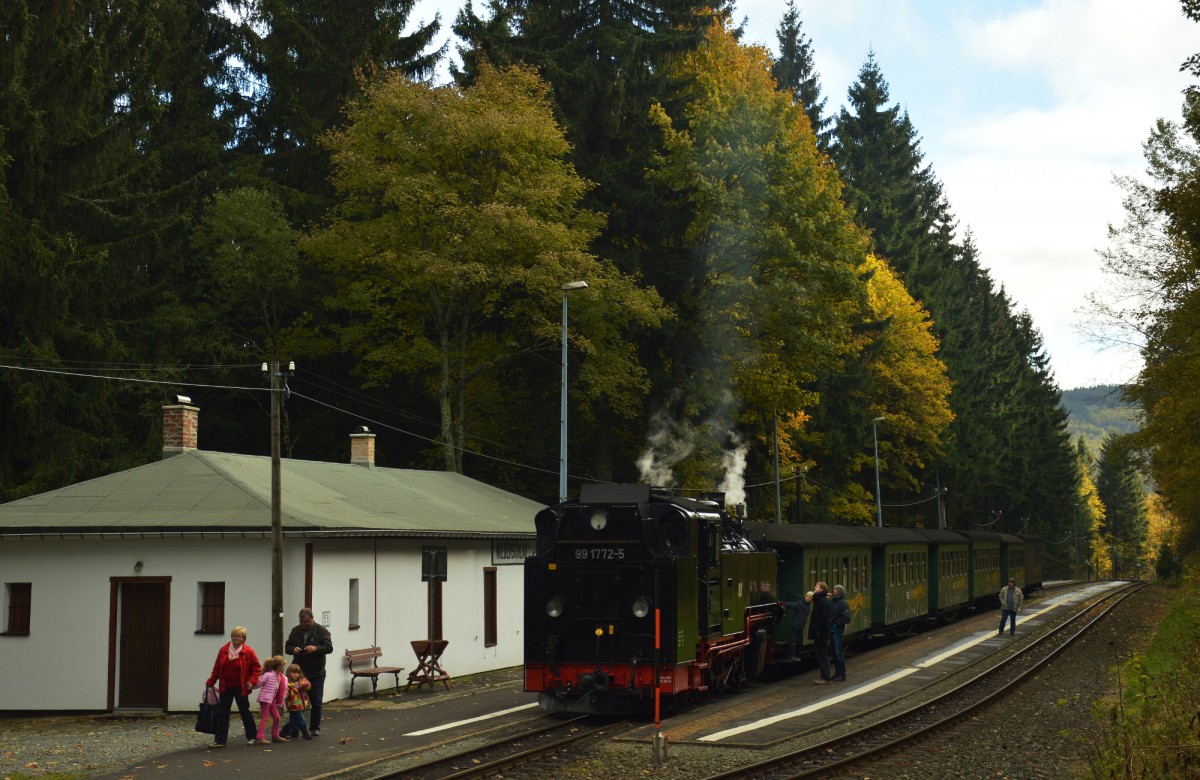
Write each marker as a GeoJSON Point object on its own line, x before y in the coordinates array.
{"type": "Point", "coordinates": [1152, 729]}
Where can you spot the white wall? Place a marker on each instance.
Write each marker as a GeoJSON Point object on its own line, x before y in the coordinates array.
{"type": "Point", "coordinates": [70, 605]}
{"type": "Point", "coordinates": [66, 654]}
{"type": "Point", "coordinates": [393, 606]}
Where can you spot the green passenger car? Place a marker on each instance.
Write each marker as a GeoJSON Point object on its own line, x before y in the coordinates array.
{"type": "Point", "coordinates": [949, 572]}
{"type": "Point", "coordinates": [901, 581]}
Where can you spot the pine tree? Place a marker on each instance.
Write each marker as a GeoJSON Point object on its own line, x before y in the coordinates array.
{"type": "Point", "coordinates": [1007, 455]}
{"type": "Point", "coordinates": [111, 130]}
{"type": "Point", "coordinates": [878, 156]}
{"type": "Point", "coordinates": [796, 73]}
{"type": "Point", "coordinates": [1121, 488]}
{"type": "Point", "coordinates": [308, 60]}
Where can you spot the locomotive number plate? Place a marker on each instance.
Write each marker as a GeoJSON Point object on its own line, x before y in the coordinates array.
{"type": "Point", "coordinates": [599, 553]}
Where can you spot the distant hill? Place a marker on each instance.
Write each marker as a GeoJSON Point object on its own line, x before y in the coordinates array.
{"type": "Point", "coordinates": [1097, 411]}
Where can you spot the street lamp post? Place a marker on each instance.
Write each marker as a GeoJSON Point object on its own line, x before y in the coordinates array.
{"type": "Point", "coordinates": [878, 497]}
{"type": "Point", "coordinates": [562, 416]}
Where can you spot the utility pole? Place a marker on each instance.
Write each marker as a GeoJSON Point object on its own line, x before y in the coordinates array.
{"type": "Point", "coordinates": [878, 496]}
{"type": "Point", "coordinates": [277, 388]}
{"type": "Point", "coordinates": [775, 446]}
{"type": "Point", "coordinates": [941, 509]}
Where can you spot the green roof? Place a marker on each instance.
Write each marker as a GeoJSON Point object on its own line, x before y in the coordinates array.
{"type": "Point", "coordinates": [198, 491]}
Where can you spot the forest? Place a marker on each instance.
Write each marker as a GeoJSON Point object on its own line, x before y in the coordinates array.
{"type": "Point", "coordinates": [779, 301]}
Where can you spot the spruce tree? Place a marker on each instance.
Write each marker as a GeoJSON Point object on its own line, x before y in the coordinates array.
{"type": "Point", "coordinates": [308, 61]}
{"type": "Point", "coordinates": [111, 131]}
{"type": "Point", "coordinates": [878, 156]}
{"type": "Point", "coordinates": [1121, 488]}
{"type": "Point", "coordinates": [1007, 457]}
{"type": "Point", "coordinates": [796, 73]}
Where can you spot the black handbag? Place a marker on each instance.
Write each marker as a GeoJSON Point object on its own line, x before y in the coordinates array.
{"type": "Point", "coordinates": [206, 720]}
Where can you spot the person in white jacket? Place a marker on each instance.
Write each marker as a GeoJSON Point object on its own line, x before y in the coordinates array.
{"type": "Point", "coordinates": [1011, 598]}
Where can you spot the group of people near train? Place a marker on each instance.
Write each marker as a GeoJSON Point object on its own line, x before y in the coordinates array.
{"type": "Point", "coordinates": [830, 614]}
{"type": "Point", "coordinates": [294, 689]}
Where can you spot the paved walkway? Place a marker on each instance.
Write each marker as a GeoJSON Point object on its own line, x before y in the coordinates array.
{"type": "Point", "coordinates": [353, 732]}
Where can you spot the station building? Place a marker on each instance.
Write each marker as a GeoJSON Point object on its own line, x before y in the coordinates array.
{"type": "Point", "coordinates": [119, 591]}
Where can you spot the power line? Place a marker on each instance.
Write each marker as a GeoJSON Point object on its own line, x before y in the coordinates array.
{"type": "Point", "coordinates": [174, 383]}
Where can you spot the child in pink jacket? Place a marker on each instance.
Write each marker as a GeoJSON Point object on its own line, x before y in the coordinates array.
{"type": "Point", "coordinates": [272, 687]}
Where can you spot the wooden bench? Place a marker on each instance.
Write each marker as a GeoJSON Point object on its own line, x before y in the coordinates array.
{"type": "Point", "coordinates": [368, 655]}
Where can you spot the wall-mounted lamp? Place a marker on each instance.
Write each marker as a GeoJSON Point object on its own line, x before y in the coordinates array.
{"type": "Point", "coordinates": [137, 567]}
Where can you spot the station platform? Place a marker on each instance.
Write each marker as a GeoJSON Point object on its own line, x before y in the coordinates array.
{"type": "Point", "coordinates": [766, 713]}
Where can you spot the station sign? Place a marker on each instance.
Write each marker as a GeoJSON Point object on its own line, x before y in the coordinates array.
{"type": "Point", "coordinates": [512, 551]}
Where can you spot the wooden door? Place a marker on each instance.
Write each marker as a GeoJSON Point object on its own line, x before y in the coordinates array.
{"type": "Point", "coordinates": [142, 644]}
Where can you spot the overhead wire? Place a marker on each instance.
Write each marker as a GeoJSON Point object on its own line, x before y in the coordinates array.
{"type": "Point", "coordinates": [351, 394]}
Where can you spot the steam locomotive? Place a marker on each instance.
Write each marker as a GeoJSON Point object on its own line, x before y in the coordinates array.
{"type": "Point", "coordinates": [634, 591]}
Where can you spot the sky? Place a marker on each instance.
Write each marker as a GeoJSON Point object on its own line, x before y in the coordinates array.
{"type": "Point", "coordinates": [1026, 110]}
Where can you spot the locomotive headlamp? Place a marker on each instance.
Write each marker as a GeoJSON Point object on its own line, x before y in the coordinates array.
{"type": "Point", "coordinates": [599, 520]}
{"type": "Point", "coordinates": [641, 608]}
{"type": "Point", "coordinates": [556, 606]}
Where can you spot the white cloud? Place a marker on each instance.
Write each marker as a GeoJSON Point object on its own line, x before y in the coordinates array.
{"type": "Point", "coordinates": [1035, 182]}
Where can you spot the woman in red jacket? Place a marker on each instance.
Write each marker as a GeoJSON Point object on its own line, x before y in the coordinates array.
{"type": "Point", "coordinates": [237, 669]}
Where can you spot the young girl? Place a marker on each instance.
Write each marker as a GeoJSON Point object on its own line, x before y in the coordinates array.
{"type": "Point", "coordinates": [272, 689]}
{"type": "Point", "coordinates": [297, 700]}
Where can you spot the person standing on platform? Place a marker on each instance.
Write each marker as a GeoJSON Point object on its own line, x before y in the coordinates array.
{"type": "Point", "coordinates": [839, 617]}
{"type": "Point", "coordinates": [1011, 599]}
{"type": "Point", "coordinates": [799, 611]}
{"type": "Point", "coordinates": [309, 643]}
{"type": "Point", "coordinates": [818, 630]}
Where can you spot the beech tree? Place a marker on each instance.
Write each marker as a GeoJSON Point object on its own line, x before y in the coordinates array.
{"type": "Point", "coordinates": [457, 221]}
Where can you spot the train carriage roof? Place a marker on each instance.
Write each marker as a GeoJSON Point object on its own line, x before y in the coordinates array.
{"type": "Point", "coordinates": [941, 536]}
{"type": "Point", "coordinates": [819, 533]}
{"type": "Point", "coordinates": [992, 536]}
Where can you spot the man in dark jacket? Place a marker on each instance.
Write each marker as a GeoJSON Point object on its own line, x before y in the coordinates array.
{"type": "Point", "coordinates": [818, 629]}
{"type": "Point", "coordinates": [799, 615]}
{"type": "Point", "coordinates": [309, 643]}
{"type": "Point", "coordinates": [839, 617]}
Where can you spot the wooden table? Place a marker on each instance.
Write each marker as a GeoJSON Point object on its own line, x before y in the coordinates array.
{"type": "Point", "coordinates": [429, 669]}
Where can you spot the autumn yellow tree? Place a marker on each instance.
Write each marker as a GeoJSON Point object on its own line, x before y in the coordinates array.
{"type": "Point", "coordinates": [774, 253]}
{"type": "Point", "coordinates": [909, 382]}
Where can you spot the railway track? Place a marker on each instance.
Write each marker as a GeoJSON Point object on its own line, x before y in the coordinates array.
{"type": "Point", "coordinates": [901, 730]}
{"type": "Point", "coordinates": [542, 744]}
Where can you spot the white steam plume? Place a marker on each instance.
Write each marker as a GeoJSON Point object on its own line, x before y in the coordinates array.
{"type": "Point", "coordinates": [667, 444]}
{"type": "Point", "coordinates": [734, 463]}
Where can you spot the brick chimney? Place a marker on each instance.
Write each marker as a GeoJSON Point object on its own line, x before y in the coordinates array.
{"type": "Point", "coordinates": [362, 447]}
{"type": "Point", "coordinates": [180, 423]}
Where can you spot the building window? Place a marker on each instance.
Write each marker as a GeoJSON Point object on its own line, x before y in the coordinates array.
{"type": "Point", "coordinates": [212, 608]}
{"type": "Point", "coordinates": [489, 607]}
{"type": "Point", "coordinates": [354, 604]}
{"type": "Point", "coordinates": [17, 599]}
